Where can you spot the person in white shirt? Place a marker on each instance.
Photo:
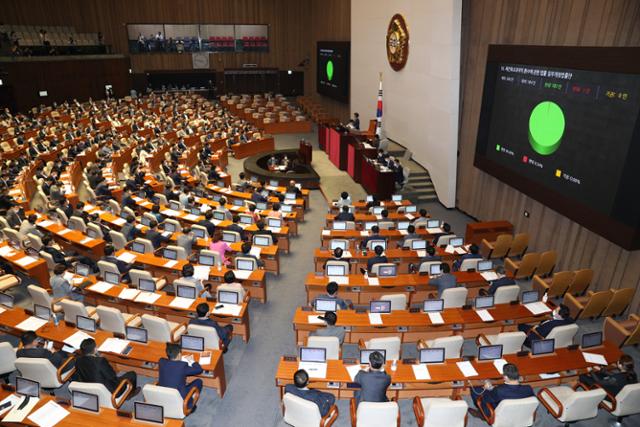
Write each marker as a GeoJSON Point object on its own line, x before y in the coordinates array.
{"type": "Point", "coordinates": [344, 200]}
{"type": "Point", "coordinates": [231, 285]}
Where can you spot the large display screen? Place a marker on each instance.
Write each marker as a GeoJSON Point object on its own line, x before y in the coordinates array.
{"type": "Point", "coordinates": [562, 125]}
{"type": "Point", "coordinates": [333, 70]}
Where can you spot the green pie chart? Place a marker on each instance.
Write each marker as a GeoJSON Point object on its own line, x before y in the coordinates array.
{"type": "Point", "coordinates": [546, 127]}
{"type": "Point", "coordinates": [329, 70]}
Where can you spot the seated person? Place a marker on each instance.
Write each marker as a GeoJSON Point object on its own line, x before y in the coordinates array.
{"type": "Point", "coordinates": [246, 253]}
{"type": "Point", "coordinates": [411, 235]}
{"type": "Point", "coordinates": [502, 280]}
{"type": "Point", "coordinates": [275, 211]}
{"type": "Point", "coordinates": [332, 293]}
{"type": "Point", "coordinates": [207, 223]}
{"type": "Point", "coordinates": [29, 226]}
{"type": "Point", "coordinates": [253, 213]}
{"type": "Point", "coordinates": [421, 221]}
{"type": "Point", "coordinates": [473, 254]}
{"type": "Point", "coordinates": [60, 287]}
{"type": "Point", "coordinates": [225, 333]}
{"type": "Point", "coordinates": [220, 246]}
{"type": "Point", "coordinates": [445, 281]}
{"type": "Point", "coordinates": [299, 388]}
{"type": "Point", "coordinates": [374, 381]}
{"type": "Point", "coordinates": [493, 395]}
{"type": "Point", "coordinates": [559, 317]}
{"type": "Point", "coordinates": [345, 215]}
{"type": "Point", "coordinates": [344, 200]}
{"type": "Point", "coordinates": [257, 197]}
{"type": "Point", "coordinates": [32, 347]}
{"type": "Point", "coordinates": [375, 230]}
{"type": "Point", "coordinates": [377, 259]}
{"type": "Point", "coordinates": [330, 330]}
{"type": "Point", "coordinates": [223, 208]}
{"type": "Point", "coordinates": [235, 226]}
{"type": "Point", "coordinates": [446, 231]}
{"type": "Point", "coordinates": [173, 372]}
{"type": "Point", "coordinates": [231, 285]}
{"type": "Point", "coordinates": [123, 267]}
{"type": "Point", "coordinates": [129, 229]}
{"type": "Point", "coordinates": [262, 232]}
{"type": "Point", "coordinates": [93, 368]}
{"type": "Point", "coordinates": [154, 236]}
{"type": "Point", "coordinates": [431, 255]}
{"type": "Point", "coordinates": [611, 379]}
{"type": "Point", "coordinates": [187, 275]}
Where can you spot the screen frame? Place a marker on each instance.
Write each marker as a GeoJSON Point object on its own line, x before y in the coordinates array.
{"type": "Point", "coordinates": [345, 47]}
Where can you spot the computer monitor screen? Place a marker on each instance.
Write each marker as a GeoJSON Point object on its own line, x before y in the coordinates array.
{"type": "Point", "coordinates": [484, 302]}
{"type": "Point", "coordinates": [82, 269]}
{"type": "Point", "coordinates": [147, 285]}
{"type": "Point", "coordinates": [313, 354]}
{"type": "Point", "coordinates": [529, 297]}
{"type": "Point", "coordinates": [184, 291]}
{"type": "Point", "coordinates": [142, 194]}
{"type": "Point", "coordinates": [261, 240]}
{"type": "Point", "coordinates": [286, 208]}
{"type": "Point", "coordinates": [261, 206]}
{"type": "Point", "coordinates": [206, 260]}
{"type": "Point", "coordinates": [369, 198]}
{"type": "Point", "coordinates": [335, 270]}
{"type": "Point", "coordinates": [335, 244]}
{"type": "Point", "coordinates": [245, 264]}
{"type": "Point", "coordinates": [199, 233]}
{"type": "Point", "coordinates": [246, 219]}
{"type": "Point", "coordinates": [593, 339]}
{"type": "Point", "coordinates": [196, 211]}
{"type": "Point", "coordinates": [137, 247]}
{"type": "Point", "coordinates": [217, 197]}
{"type": "Point", "coordinates": [364, 355]}
{"type": "Point", "coordinates": [218, 215]}
{"type": "Point", "coordinates": [290, 196]}
{"type": "Point", "coordinates": [396, 197]}
{"type": "Point", "coordinates": [145, 221]}
{"type": "Point", "coordinates": [253, 178]}
{"type": "Point", "coordinates": [274, 222]}
{"type": "Point", "coordinates": [380, 306]}
{"type": "Point", "coordinates": [539, 347]}
{"type": "Point", "coordinates": [111, 277]}
{"type": "Point", "coordinates": [136, 334]}
{"type": "Point", "coordinates": [170, 227]}
{"type": "Point", "coordinates": [369, 225]}
{"type": "Point", "coordinates": [433, 305]}
{"type": "Point", "coordinates": [191, 343]}
{"type": "Point", "coordinates": [377, 210]}
{"type": "Point", "coordinates": [170, 254]}
{"type": "Point", "coordinates": [433, 223]}
{"type": "Point", "coordinates": [387, 271]}
{"type": "Point", "coordinates": [339, 225]}
{"type": "Point", "coordinates": [176, 206]}
{"type": "Point", "coordinates": [92, 233]}
{"type": "Point", "coordinates": [27, 387]}
{"type": "Point", "coordinates": [148, 412]}
{"type": "Point", "coordinates": [42, 312]}
{"type": "Point", "coordinates": [229, 236]}
{"type": "Point", "coordinates": [411, 209]}
{"type": "Point", "coordinates": [237, 202]}
{"type": "Point", "coordinates": [458, 241]}
{"type": "Point", "coordinates": [86, 323]}
{"type": "Point", "coordinates": [490, 352]}
{"type": "Point", "coordinates": [6, 300]}
{"type": "Point", "coordinates": [86, 401]}
{"type": "Point", "coordinates": [326, 304]}
{"type": "Point", "coordinates": [435, 269]}
{"type": "Point", "coordinates": [228, 297]}
{"type": "Point", "coordinates": [403, 225]}
{"type": "Point", "coordinates": [484, 265]}
{"type": "Point", "coordinates": [432, 355]}
{"type": "Point", "coordinates": [274, 183]}
{"type": "Point", "coordinates": [418, 245]}
{"type": "Point", "coordinates": [375, 243]}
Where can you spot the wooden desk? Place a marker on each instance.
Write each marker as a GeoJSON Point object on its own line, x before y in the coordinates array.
{"type": "Point", "coordinates": [298, 204]}
{"type": "Point", "coordinates": [393, 237]}
{"type": "Point", "coordinates": [569, 364]}
{"type": "Point", "coordinates": [361, 218]}
{"type": "Point", "coordinates": [242, 150]}
{"type": "Point", "coordinates": [37, 270]}
{"type": "Point", "coordinates": [361, 205]}
{"type": "Point", "coordinates": [376, 182]}
{"type": "Point", "coordinates": [490, 230]}
{"type": "Point", "coordinates": [76, 240]}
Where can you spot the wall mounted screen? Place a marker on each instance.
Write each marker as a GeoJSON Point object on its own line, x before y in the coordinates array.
{"type": "Point", "coordinates": [333, 70]}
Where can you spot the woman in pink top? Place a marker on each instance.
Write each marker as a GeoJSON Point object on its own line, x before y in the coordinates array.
{"type": "Point", "coordinates": [220, 246]}
{"type": "Point", "coordinates": [275, 211]}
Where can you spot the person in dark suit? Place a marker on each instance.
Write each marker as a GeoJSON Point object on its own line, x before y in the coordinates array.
{"type": "Point", "coordinates": [236, 227]}
{"type": "Point", "coordinates": [559, 317]}
{"type": "Point", "coordinates": [31, 348]}
{"type": "Point", "coordinates": [377, 259]}
{"type": "Point", "coordinates": [263, 232]}
{"type": "Point", "coordinates": [206, 223]}
{"type": "Point", "coordinates": [256, 197]}
{"type": "Point", "coordinates": [345, 215]}
{"type": "Point", "coordinates": [332, 293]}
{"type": "Point", "coordinates": [93, 368]}
{"type": "Point", "coordinates": [154, 236]}
{"type": "Point", "coordinates": [445, 281]}
{"type": "Point", "coordinates": [123, 267]}
{"type": "Point", "coordinates": [246, 253]}
{"type": "Point", "coordinates": [356, 121]}
{"type": "Point", "coordinates": [374, 381]}
{"type": "Point", "coordinates": [446, 231]}
{"type": "Point", "coordinates": [225, 333]}
{"type": "Point", "coordinates": [129, 229]}
{"type": "Point", "coordinates": [612, 380]}
{"type": "Point", "coordinates": [431, 255]}
{"type": "Point", "coordinates": [375, 230]}
{"type": "Point", "coordinates": [493, 395]}
{"type": "Point", "coordinates": [411, 235]}
{"type": "Point", "coordinates": [173, 372]}
{"type": "Point", "coordinates": [502, 280]}
{"type": "Point", "coordinates": [473, 254]}
{"type": "Point", "coordinates": [299, 388]}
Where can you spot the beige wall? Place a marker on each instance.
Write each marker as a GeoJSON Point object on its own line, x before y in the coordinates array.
{"type": "Point", "coordinates": [420, 101]}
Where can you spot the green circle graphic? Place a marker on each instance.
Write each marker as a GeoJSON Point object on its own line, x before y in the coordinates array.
{"type": "Point", "coordinates": [546, 127]}
{"type": "Point", "coordinates": [330, 70]}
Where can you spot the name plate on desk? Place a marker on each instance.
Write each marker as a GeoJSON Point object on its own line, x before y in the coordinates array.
{"type": "Point", "coordinates": [356, 289]}
{"type": "Point", "coordinates": [410, 288]}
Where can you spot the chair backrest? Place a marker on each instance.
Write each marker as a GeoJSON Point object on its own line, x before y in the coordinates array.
{"type": "Point", "coordinates": [442, 412]}
{"type": "Point", "coordinates": [300, 412]}
{"type": "Point", "coordinates": [104, 397]}
{"type": "Point", "coordinates": [136, 275]}
{"type": "Point", "coordinates": [157, 328]}
{"type": "Point", "coordinates": [49, 260]}
{"type": "Point", "coordinates": [162, 199]}
{"type": "Point", "coordinates": [516, 412]}
{"type": "Point", "coordinates": [168, 398]}
{"type": "Point", "coordinates": [392, 345]}
{"type": "Point", "coordinates": [426, 266]}
{"type": "Point", "coordinates": [106, 266]}
{"type": "Point", "coordinates": [501, 246]}
{"type": "Point", "coordinates": [263, 236]}
{"type": "Point", "coordinates": [519, 245]}
{"type": "Point", "coordinates": [331, 344]}
{"type": "Point", "coordinates": [73, 309]}
{"type": "Point", "coordinates": [469, 264]}
{"type": "Point", "coordinates": [117, 239]}
{"type": "Point", "coordinates": [77, 223]}
{"type": "Point", "coordinates": [452, 345]}
{"type": "Point", "coordinates": [231, 236]}
{"type": "Point", "coordinates": [560, 283]}
{"type": "Point", "coordinates": [628, 401]}
{"type": "Point", "coordinates": [350, 225]}
{"type": "Point", "coordinates": [506, 294]}
{"type": "Point", "coordinates": [619, 302]}
{"type": "Point", "coordinates": [398, 301]}
{"type": "Point", "coordinates": [528, 265]}
{"type": "Point", "coordinates": [454, 297]}
{"type": "Point", "coordinates": [202, 229]}
{"type": "Point", "coordinates": [148, 246]}
{"type": "Point", "coordinates": [511, 341]}
{"type": "Point", "coordinates": [376, 267]}
{"type": "Point", "coordinates": [377, 414]}
{"type": "Point", "coordinates": [40, 296]}
{"type": "Point", "coordinates": [210, 335]}
{"type": "Point", "coordinates": [596, 304]}
{"type": "Point", "coordinates": [38, 369]}
{"type": "Point", "coordinates": [546, 263]}
{"type": "Point", "coordinates": [334, 262]}
{"type": "Point", "coordinates": [563, 335]}
{"type": "Point", "coordinates": [115, 206]}
{"type": "Point", "coordinates": [444, 240]}
{"type": "Point", "coordinates": [34, 241]}
{"type": "Point", "coordinates": [7, 358]}
{"type": "Point", "coordinates": [581, 281]}
{"type": "Point", "coordinates": [97, 231]}
{"type": "Point", "coordinates": [582, 405]}
{"type": "Point", "coordinates": [182, 254]}
{"type": "Point", "coordinates": [176, 224]}
{"type": "Point", "coordinates": [386, 225]}
{"type": "Point", "coordinates": [111, 319]}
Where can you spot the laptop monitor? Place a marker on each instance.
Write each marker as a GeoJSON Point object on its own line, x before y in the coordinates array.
{"type": "Point", "coordinates": [403, 225]}
{"type": "Point", "coordinates": [490, 352]}
{"type": "Point", "coordinates": [380, 306]}
{"type": "Point", "coordinates": [274, 183]}
{"type": "Point", "coordinates": [198, 232]}
{"type": "Point", "coordinates": [433, 223]}
{"type": "Point", "coordinates": [261, 241]}
{"type": "Point", "coordinates": [170, 227]}
{"type": "Point", "coordinates": [369, 198]}
{"type": "Point", "coordinates": [322, 304]}
{"type": "Point", "coordinates": [138, 247]}
{"type": "Point", "coordinates": [82, 269]}
{"type": "Point", "coordinates": [261, 206]}
{"type": "Point", "coordinates": [184, 291]}
{"type": "Point", "coordinates": [237, 202]}
{"type": "Point", "coordinates": [539, 347]}
{"type": "Point", "coordinates": [27, 387]}
{"type": "Point", "coordinates": [253, 178]}
{"type": "Point", "coordinates": [274, 222]}
{"type": "Point", "coordinates": [369, 225]}
{"type": "Point", "coordinates": [435, 269]}
{"type": "Point", "coordinates": [147, 285]}
{"type": "Point", "coordinates": [290, 196]}
{"type": "Point", "coordinates": [86, 401]}
{"type": "Point", "coordinates": [313, 354]}
{"type": "Point", "coordinates": [432, 355]}
{"type": "Point", "coordinates": [219, 215]}
{"type": "Point", "coordinates": [418, 245]}
{"type": "Point", "coordinates": [336, 270]}
{"type": "Point", "coordinates": [136, 334]}
{"type": "Point", "coordinates": [411, 209]}
{"type": "Point", "coordinates": [206, 260]}
{"type": "Point", "coordinates": [245, 264]}
{"type": "Point", "coordinates": [377, 210]}
{"type": "Point", "coordinates": [387, 271]}
{"type": "Point", "coordinates": [195, 211]}
{"type": "Point", "coordinates": [335, 244]}
{"type": "Point", "coordinates": [530, 296]}
{"type": "Point", "coordinates": [484, 302]}
{"type": "Point", "coordinates": [217, 197]}
{"type": "Point", "coordinates": [176, 206]}
{"type": "Point", "coordinates": [457, 242]}
{"type": "Point", "coordinates": [111, 277]}
{"type": "Point", "coordinates": [396, 197]}
{"type": "Point", "coordinates": [145, 221]}
{"type": "Point", "coordinates": [148, 412]}
{"type": "Point", "coordinates": [86, 323]}
{"type": "Point", "coordinates": [170, 254]}
{"type": "Point", "coordinates": [433, 305]}
{"type": "Point", "coordinates": [42, 312]}
{"type": "Point", "coordinates": [228, 297]}
{"type": "Point", "coordinates": [375, 243]}
{"type": "Point", "coordinates": [484, 265]}
{"type": "Point", "coordinates": [364, 355]}
{"type": "Point", "coordinates": [593, 339]}
{"type": "Point", "coordinates": [191, 343]}
{"type": "Point", "coordinates": [286, 208]}
{"type": "Point", "coordinates": [92, 233]}
{"type": "Point", "coordinates": [245, 219]}
{"type": "Point", "coordinates": [6, 300]}
{"type": "Point", "coordinates": [339, 225]}
{"type": "Point", "coordinates": [229, 236]}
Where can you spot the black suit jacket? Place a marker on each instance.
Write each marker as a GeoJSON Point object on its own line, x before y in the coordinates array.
{"type": "Point", "coordinates": [156, 238]}
{"type": "Point", "coordinates": [96, 369]}
{"type": "Point", "coordinates": [345, 216]}
{"type": "Point", "coordinates": [42, 353]}
{"type": "Point", "coordinates": [123, 267]}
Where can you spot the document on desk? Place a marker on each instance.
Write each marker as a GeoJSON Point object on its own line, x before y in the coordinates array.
{"type": "Point", "coordinates": [375, 318]}
{"type": "Point", "coordinates": [255, 251]}
{"type": "Point", "coordinates": [74, 340]}
{"type": "Point", "coordinates": [314, 369]}
{"type": "Point", "coordinates": [170, 212]}
{"type": "Point", "coordinates": [113, 345]}
{"type": "Point", "coordinates": [340, 280]}
{"type": "Point", "coordinates": [537, 307]}
{"type": "Point", "coordinates": [180, 302]}
{"type": "Point", "coordinates": [17, 415]}
{"type": "Point", "coordinates": [170, 264]}
{"type": "Point", "coordinates": [467, 369]}
{"type": "Point", "coordinates": [191, 217]}
{"type": "Point", "coordinates": [404, 232]}
{"type": "Point", "coordinates": [68, 276]}
{"type": "Point", "coordinates": [64, 231]}
{"type": "Point", "coordinates": [326, 232]}
{"type": "Point", "coordinates": [435, 318]}
{"type": "Point", "coordinates": [242, 274]}
{"type": "Point", "coordinates": [147, 297]}
{"type": "Point", "coordinates": [484, 315]}
{"type": "Point", "coordinates": [347, 254]}
{"type": "Point", "coordinates": [364, 233]}
{"type": "Point", "coordinates": [449, 249]}
{"type": "Point", "coordinates": [549, 376]}
{"type": "Point", "coordinates": [201, 272]}
{"type": "Point", "coordinates": [205, 358]}
{"type": "Point", "coordinates": [353, 371]}
{"type": "Point", "coordinates": [460, 251]}
{"type": "Point", "coordinates": [315, 320]}
{"type": "Point", "coordinates": [6, 251]}
{"type": "Point", "coordinates": [594, 358]}
{"type": "Point", "coordinates": [373, 281]}
{"type": "Point", "coordinates": [489, 275]}
{"type": "Point", "coordinates": [26, 260]}
{"type": "Point", "coordinates": [12, 399]}
{"type": "Point", "coordinates": [499, 364]}
{"type": "Point", "coordinates": [2, 310]}
{"type": "Point", "coordinates": [119, 221]}
{"type": "Point", "coordinates": [128, 294]}
{"type": "Point", "coordinates": [46, 223]}
{"type": "Point", "coordinates": [409, 216]}
{"type": "Point", "coordinates": [86, 241]}
{"type": "Point", "coordinates": [421, 372]}
{"type": "Point", "coordinates": [275, 230]}
{"type": "Point", "coordinates": [31, 324]}
{"type": "Point", "coordinates": [435, 230]}
{"type": "Point", "coordinates": [228, 309]}
{"type": "Point", "coordinates": [127, 257]}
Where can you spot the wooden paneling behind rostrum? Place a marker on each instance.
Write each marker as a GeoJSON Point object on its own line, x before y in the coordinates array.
{"type": "Point", "coordinates": [540, 22]}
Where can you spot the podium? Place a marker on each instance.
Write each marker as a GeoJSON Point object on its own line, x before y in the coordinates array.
{"type": "Point", "coordinates": [305, 153]}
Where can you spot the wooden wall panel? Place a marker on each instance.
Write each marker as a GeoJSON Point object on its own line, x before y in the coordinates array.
{"type": "Point", "coordinates": [540, 22]}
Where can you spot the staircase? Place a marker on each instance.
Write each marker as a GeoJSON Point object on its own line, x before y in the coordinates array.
{"type": "Point", "coordinates": [419, 189]}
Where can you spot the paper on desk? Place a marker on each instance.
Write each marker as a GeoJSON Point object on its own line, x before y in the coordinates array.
{"type": "Point", "coordinates": [364, 233]}
{"type": "Point", "coordinates": [594, 358]}
{"type": "Point", "coordinates": [326, 232]}
{"type": "Point", "coordinates": [404, 232]}
{"type": "Point", "coordinates": [113, 345]}
{"type": "Point", "coordinates": [289, 202]}
{"type": "Point", "coordinates": [46, 223]}
{"type": "Point", "coordinates": [421, 372]}
{"type": "Point", "coordinates": [435, 230]}
{"type": "Point", "coordinates": [489, 275]}
{"type": "Point", "coordinates": [347, 254]}
{"type": "Point", "coordinates": [101, 287]}
{"type": "Point", "coordinates": [242, 274]}
{"type": "Point", "coordinates": [128, 293]}
{"type": "Point", "coordinates": [228, 309]}
{"type": "Point", "coordinates": [340, 280]}
{"type": "Point", "coordinates": [314, 369]}
{"type": "Point", "coordinates": [147, 297]}
{"type": "Point", "coordinates": [409, 216]}
{"type": "Point", "coordinates": [549, 376]}
{"type": "Point", "coordinates": [13, 399]}
{"type": "Point", "coordinates": [499, 364]}
{"type": "Point", "coordinates": [76, 339]}
{"type": "Point", "coordinates": [275, 230]}
{"type": "Point", "coordinates": [435, 318]}
{"type": "Point", "coordinates": [255, 251]}
{"type": "Point", "coordinates": [191, 217]}
{"type": "Point", "coordinates": [378, 217]}
{"type": "Point", "coordinates": [170, 212]}
{"type": "Point", "coordinates": [449, 249]}
{"type": "Point", "coordinates": [86, 241]}
{"type": "Point", "coordinates": [180, 302]}
{"type": "Point", "coordinates": [6, 251]}
{"type": "Point", "coordinates": [467, 369]}
{"type": "Point", "coordinates": [315, 320]}
{"type": "Point", "coordinates": [26, 260]}
{"type": "Point", "coordinates": [205, 360]}
{"type": "Point", "coordinates": [421, 253]}
{"type": "Point", "coordinates": [460, 251]}
{"type": "Point", "coordinates": [2, 310]}
{"type": "Point", "coordinates": [119, 221]}
{"type": "Point", "coordinates": [16, 416]}
{"type": "Point", "coordinates": [68, 276]}
{"type": "Point", "coordinates": [537, 307]}
{"type": "Point", "coordinates": [373, 281]}
{"type": "Point", "coordinates": [201, 272]}
{"type": "Point", "coordinates": [375, 318]}
{"type": "Point", "coordinates": [64, 231]}
{"type": "Point", "coordinates": [31, 324]}
{"type": "Point", "coordinates": [484, 315]}
{"type": "Point", "coordinates": [170, 264]}
{"type": "Point", "coordinates": [127, 257]}
{"type": "Point", "coordinates": [353, 371]}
